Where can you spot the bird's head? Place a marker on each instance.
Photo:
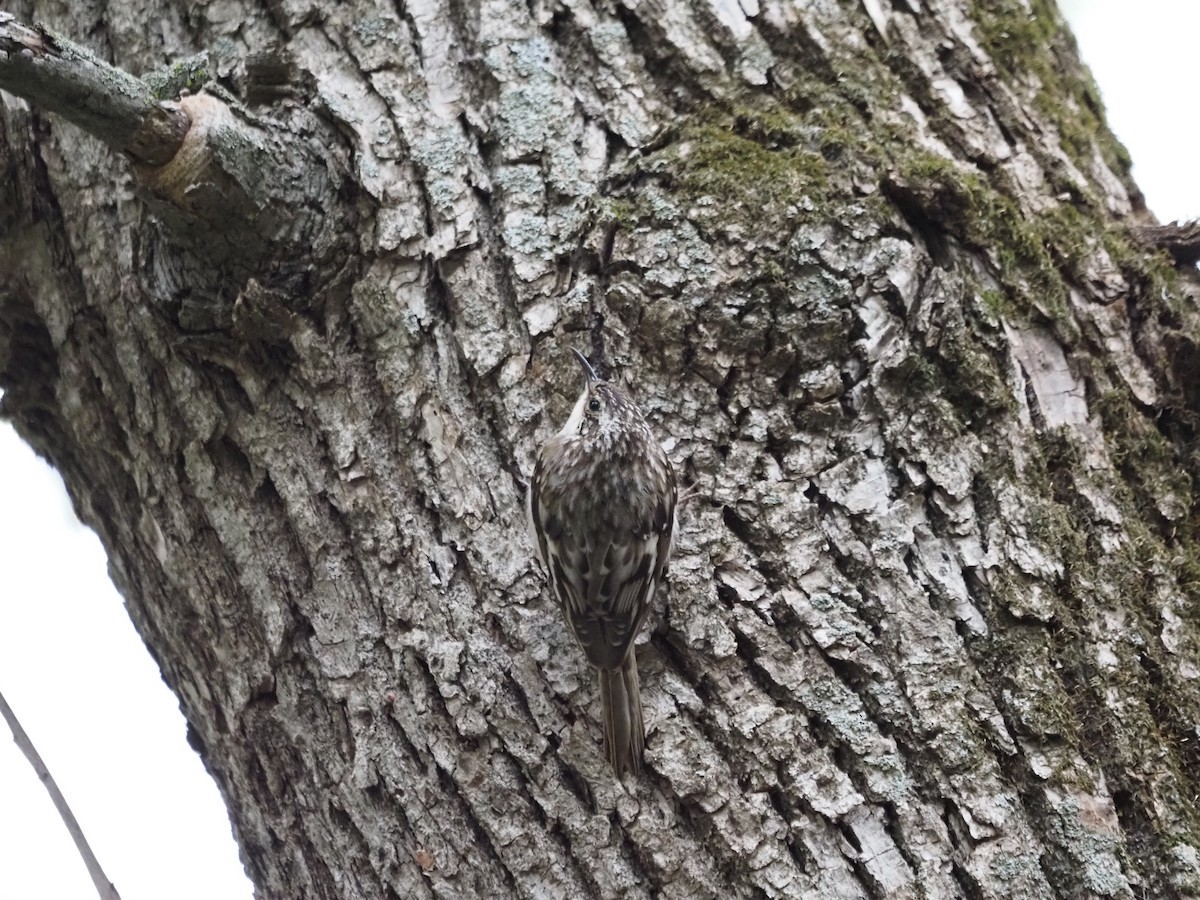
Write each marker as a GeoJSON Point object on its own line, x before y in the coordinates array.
{"type": "Point", "coordinates": [603, 414]}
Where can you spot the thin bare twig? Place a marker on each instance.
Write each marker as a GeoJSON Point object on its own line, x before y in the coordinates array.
{"type": "Point", "coordinates": [119, 108]}
{"type": "Point", "coordinates": [103, 886]}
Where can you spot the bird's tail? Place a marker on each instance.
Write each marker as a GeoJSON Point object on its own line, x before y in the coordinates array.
{"type": "Point", "coordinates": [621, 704]}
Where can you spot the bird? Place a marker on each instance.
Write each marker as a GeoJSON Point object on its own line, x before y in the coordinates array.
{"type": "Point", "coordinates": [602, 515]}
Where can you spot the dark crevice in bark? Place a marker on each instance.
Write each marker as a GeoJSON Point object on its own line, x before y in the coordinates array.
{"type": "Point", "coordinates": [230, 459]}
{"type": "Point", "coordinates": [739, 528]}
{"type": "Point", "coordinates": [987, 508]}
{"type": "Point", "coordinates": [781, 695]}
{"type": "Point", "coordinates": [270, 753]}
{"type": "Point", "coordinates": [399, 738]}
{"type": "Point", "coordinates": [1055, 861]}
{"type": "Point", "coordinates": [680, 660]}
{"type": "Point", "coordinates": [697, 823]}
{"type": "Point", "coordinates": [573, 780]}
{"type": "Point", "coordinates": [728, 47]}
{"type": "Point", "coordinates": [317, 872]}
{"type": "Point", "coordinates": [1101, 741]}
{"type": "Point", "coordinates": [358, 860]}
{"type": "Point", "coordinates": [553, 827]}
{"type": "Point", "coordinates": [483, 841]}
{"type": "Point", "coordinates": [853, 571]}
{"type": "Point", "coordinates": [868, 881]}
{"type": "Point", "coordinates": [928, 228]}
{"type": "Point", "coordinates": [674, 80]}
{"type": "Point", "coordinates": [632, 852]}
{"type": "Point", "coordinates": [787, 803]}
{"type": "Point", "coordinates": [29, 363]}
{"type": "Point", "coordinates": [963, 845]}
{"type": "Point", "coordinates": [486, 395]}
{"type": "Point", "coordinates": [1139, 827]}
{"type": "Point", "coordinates": [1168, 708]}
{"type": "Point", "coordinates": [791, 629]}
{"type": "Point", "coordinates": [893, 826]}
{"type": "Point", "coordinates": [738, 760]}
{"type": "Point", "coordinates": [803, 56]}
{"type": "Point", "coordinates": [465, 798]}
{"type": "Point", "coordinates": [270, 511]}
{"type": "Point", "coordinates": [1100, 748]}
{"type": "Point", "coordinates": [498, 259]}
{"type": "Point", "coordinates": [1031, 401]}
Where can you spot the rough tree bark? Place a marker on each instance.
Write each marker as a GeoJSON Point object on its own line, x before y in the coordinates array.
{"type": "Point", "coordinates": [932, 624]}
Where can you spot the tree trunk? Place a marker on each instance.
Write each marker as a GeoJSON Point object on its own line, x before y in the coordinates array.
{"type": "Point", "coordinates": [931, 628]}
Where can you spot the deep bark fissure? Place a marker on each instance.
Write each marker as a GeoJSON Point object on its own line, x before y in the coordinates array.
{"type": "Point", "coordinates": [960, 838]}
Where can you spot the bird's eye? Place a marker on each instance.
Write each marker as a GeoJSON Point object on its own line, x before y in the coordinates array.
{"type": "Point", "coordinates": [594, 405]}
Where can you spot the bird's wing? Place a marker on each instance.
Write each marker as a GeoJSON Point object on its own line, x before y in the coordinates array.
{"type": "Point", "coordinates": [604, 568]}
{"type": "Point", "coordinates": [607, 604]}
{"type": "Point", "coordinates": [535, 514]}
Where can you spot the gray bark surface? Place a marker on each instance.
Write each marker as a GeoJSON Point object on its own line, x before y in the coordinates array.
{"type": "Point", "coordinates": [931, 628]}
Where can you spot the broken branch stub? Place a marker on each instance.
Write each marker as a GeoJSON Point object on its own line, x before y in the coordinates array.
{"type": "Point", "coordinates": [242, 192]}
{"type": "Point", "coordinates": [249, 192]}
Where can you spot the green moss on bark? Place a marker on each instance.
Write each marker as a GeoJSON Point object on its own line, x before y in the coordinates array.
{"type": "Point", "coordinates": [1016, 35]}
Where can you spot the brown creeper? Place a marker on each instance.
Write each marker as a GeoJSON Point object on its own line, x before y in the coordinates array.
{"type": "Point", "coordinates": [602, 513]}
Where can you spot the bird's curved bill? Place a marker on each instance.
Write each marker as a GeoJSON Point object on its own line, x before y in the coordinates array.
{"type": "Point", "coordinates": [587, 366]}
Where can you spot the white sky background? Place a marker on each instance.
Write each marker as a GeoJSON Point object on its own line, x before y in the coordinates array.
{"type": "Point", "coordinates": [92, 700]}
{"type": "Point", "coordinates": [1142, 56]}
